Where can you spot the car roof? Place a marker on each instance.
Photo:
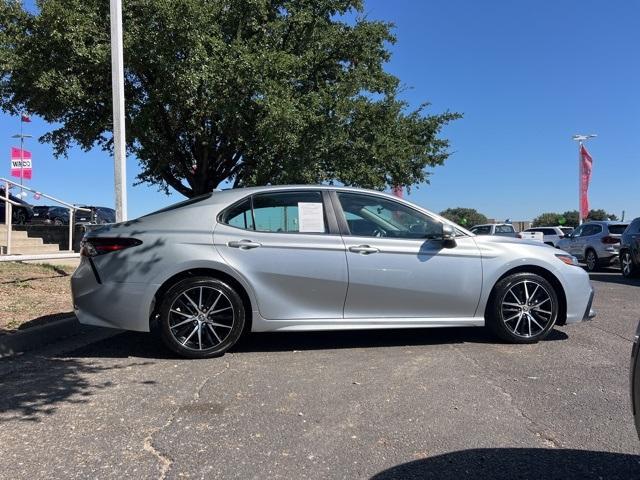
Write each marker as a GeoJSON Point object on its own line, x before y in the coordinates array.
{"type": "Point", "coordinates": [605, 222]}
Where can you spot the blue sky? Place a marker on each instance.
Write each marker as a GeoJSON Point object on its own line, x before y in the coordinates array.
{"type": "Point", "coordinates": [526, 75]}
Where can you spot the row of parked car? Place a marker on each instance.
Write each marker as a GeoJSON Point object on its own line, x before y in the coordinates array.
{"type": "Point", "coordinates": [53, 215]}
{"type": "Point", "coordinates": [596, 244]}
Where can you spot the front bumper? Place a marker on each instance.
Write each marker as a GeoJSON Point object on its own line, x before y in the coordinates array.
{"type": "Point", "coordinates": [589, 313]}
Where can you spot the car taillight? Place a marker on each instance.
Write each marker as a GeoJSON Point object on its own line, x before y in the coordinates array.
{"type": "Point", "coordinates": [610, 240]}
{"type": "Point", "coordinates": [99, 246]}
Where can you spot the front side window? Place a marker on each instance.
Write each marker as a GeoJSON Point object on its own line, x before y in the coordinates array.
{"type": "Point", "coordinates": [282, 212]}
{"type": "Point", "coordinates": [484, 230]}
{"type": "Point", "coordinates": [373, 216]}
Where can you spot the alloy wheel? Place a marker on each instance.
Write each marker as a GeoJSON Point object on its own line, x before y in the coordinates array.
{"type": "Point", "coordinates": [201, 318]}
{"type": "Point", "coordinates": [527, 308]}
{"type": "Point", "coordinates": [591, 261]}
{"type": "Point", "coordinates": [627, 264]}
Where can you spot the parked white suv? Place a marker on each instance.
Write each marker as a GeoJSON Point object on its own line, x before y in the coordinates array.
{"type": "Point", "coordinates": [551, 235]}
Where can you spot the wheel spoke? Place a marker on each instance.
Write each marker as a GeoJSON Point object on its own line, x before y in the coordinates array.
{"type": "Point", "coordinates": [534, 321]}
{"type": "Point", "coordinates": [541, 311]}
{"type": "Point", "coordinates": [514, 296]}
{"type": "Point", "coordinates": [533, 295]}
{"type": "Point", "coordinates": [200, 330]}
{"type": "Point", "coordinates": [214, 332]}
{"type": "Point", "coordinates": [529, 322]}
{"type": "Point", "coordinates": [219, 325]}
{"type": "Point", "coordinates": [515, 329]}
{"type": "Point", "coordinates": [516, 305]}
{"type": "Point", "coordinates": [200, 300]}
{"type": "Point", "coordinates": [526, 293]}
{"type": "Point", "coordinates": [191, 301]}
{"type": "Point", "coordinates": [537, 305]}
{"type": "Point", "coordinates": [218, 311]}
{"type": "Point", "coordinates": [181, 313]}
{"type": "Point", "coordinates": [188, 320]}
{"type": "Point", "coordinates": [214, 303]}
{"type": "Point", "coordinates": [511, 318]}
{"type": "Point", "coordinates": [190, 335]}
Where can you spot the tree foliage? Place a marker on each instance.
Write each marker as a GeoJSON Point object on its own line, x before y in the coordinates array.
{"type": "Point", "coordinates": [570, 218]}
{"type": "Point", "coordinates": [466, 217]}
{"type": "Point", "coordinates": [248, 91]}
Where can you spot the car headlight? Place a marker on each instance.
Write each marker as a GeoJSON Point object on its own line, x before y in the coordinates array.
{"type": "Point", "coordinates": [568, 259]}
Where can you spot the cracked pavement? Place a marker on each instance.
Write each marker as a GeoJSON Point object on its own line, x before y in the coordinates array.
{"type": "Point", "coordinates": [444, 403]}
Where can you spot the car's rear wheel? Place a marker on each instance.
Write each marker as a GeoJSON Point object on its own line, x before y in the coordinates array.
{"type": "Point", "coordinates": [58, 222]}
{"type": "Point", "coordinates": [523, 308]}
{"type": "Point", "coordinates": [201, 317]}
{"type": "Point", "coordinates": [19, 217]}
{"type": "Point", "coordinates": [626, 265]}
{"type": "Point", "coordinates": [591, 260]}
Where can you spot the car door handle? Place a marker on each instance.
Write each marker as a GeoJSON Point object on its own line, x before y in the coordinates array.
{"type": "Point", "coordinates": [244, 244]}
{"type": "Point", "coordinates": [363, 249]}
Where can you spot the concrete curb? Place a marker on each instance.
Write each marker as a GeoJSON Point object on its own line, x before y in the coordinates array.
{"type": "Point", "coordinates": [36, 337]}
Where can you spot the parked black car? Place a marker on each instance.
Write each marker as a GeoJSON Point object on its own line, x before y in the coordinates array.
{"type": "Point", "coordinates": [20, 215]}
{"type": "Point", "coordinates": [97, 215]}
{"type": "Point", "coordinates": [50, 215]}
{"type": "Point", "coordinates": [635, 381]}
{"type": "Point", "coordinates": [630, 249]}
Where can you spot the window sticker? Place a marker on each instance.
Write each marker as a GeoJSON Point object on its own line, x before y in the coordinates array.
{"type": "Point", "coordinates": [310, 217]}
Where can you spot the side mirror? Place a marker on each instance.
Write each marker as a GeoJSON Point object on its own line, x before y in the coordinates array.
{"type": "Point", "coordinates": [448, 236]}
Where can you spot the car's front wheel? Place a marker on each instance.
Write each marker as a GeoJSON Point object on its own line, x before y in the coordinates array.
{"type": "Point", "coordinates": [201, 317]}
{"type": "Point", "coordinates": [523, 308]}
{"type": "Point", "coordinates": [626, 265]}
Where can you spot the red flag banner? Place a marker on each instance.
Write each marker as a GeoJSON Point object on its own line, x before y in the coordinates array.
{"type": "Point", "coordinates": [21, 156]}
{"type": "Point", "coordinates": [25, 118]}
{"type": "Point", "coordinates": [586, 164]}
{"type": "Point", "coordinates": [397, 191]}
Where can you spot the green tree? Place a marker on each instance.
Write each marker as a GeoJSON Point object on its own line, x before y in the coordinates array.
{"type": "Point", "coordinates": [547, 219]}
{"type": "Point", "coordinates": [466, 217]}
{"type": "Point", "coordinates": [246, 91]}
{"type": "Point", "coordinates": [600, 214]}
{"type": "Point", "coordinates": [571, 218]}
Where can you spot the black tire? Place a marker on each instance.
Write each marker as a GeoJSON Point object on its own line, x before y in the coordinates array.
{"type": "Point", "coordinates": [512, 329]}
{"type": "Point", "coordinates": [591, 260]}
{"type": "Point", "coordinates": [58, 221]}
{"type": "Point", "coordinates": [180, 321]}
{"type": "Point", "coordinates": [632, 270]}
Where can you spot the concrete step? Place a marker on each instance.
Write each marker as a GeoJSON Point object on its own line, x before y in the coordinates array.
{"type": "Point", "coordinates": [14, 234]}
{"type": "Point", "coordinates": [22, 242]}
{"type": "Point", "coordinates": [31, 249]}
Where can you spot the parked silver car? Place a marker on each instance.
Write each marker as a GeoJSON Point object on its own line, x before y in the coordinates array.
{"type": "Point", "coordinates": [597, 244]}
{"type": "Point", "coordinates": [299, 258]}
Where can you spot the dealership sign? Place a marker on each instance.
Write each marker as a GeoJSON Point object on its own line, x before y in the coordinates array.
{"type": "Point", "coordinates": [21, 165]}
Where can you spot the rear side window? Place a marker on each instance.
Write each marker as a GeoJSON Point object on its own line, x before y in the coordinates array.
{"type": "Point", "coordinates": [617, 229]}
{"type": "Point", "coordinates": [486, 230]}
{"type": "Point", "coordinates": [504, 229]}
{"type": "Point", "coordinates": [283, 212]}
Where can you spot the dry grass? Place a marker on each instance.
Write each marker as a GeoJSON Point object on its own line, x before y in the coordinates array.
{"type": "Point", "coordinates": [32, 294]}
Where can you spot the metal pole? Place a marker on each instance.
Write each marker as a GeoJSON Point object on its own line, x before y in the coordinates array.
{"type": "Point", "coordinates": [117, 85]}
{"type": "Point", "coordinates": [580, 183]}
{"type": "Point", "coordinates": [72, 215]}
{"type": "Point", "coordinates": [21, 158]}
{"type": "Point", "coordinates": [7, 216]}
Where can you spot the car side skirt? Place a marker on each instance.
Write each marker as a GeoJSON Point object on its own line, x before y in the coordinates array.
{"type": "Point", "coordinates": [324, 324]}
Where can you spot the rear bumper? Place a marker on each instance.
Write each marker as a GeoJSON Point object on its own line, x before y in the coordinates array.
{"type": "Point", "coordinates": [110, 304]}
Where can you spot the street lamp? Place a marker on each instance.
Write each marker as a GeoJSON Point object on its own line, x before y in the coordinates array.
{"type": "Point", "coordinates": [581, 139]}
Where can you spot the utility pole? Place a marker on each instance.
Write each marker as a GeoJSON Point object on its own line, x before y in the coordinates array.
{"type": "Point", "coordinates": [117, 85]}
{"type": "Point", "coordinates": [581, 139]}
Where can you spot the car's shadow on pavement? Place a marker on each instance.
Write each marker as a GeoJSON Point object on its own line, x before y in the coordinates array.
{"type": "Point", "coordinates": [144, 345]}
{"type": "Point", "coordinates": [519, 463]}
{"type": "Point", "coordinates": [611, 275]}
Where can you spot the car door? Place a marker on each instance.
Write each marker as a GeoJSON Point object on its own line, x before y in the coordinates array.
{"type": "Point", "coordinates": [397, 266]}
{"type": "Point", "coordinates": [574, 242]}
{"type": "Point", "coordinates": [287, 246]}
{"type": "Point", "coordinates": [633, 233]}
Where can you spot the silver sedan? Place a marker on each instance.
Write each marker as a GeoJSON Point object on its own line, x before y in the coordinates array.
{"type": "Point", "coordinates": [305, 258]}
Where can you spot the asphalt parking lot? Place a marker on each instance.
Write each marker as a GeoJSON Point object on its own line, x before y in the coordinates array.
{"type": "Point", "coordinates": [450, 403]}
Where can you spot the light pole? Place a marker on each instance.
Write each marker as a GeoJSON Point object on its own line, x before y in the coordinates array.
{"type": "Point", "coordinates": [117, 85]}
{"type": "Point", "coordinates": [581, 139]}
